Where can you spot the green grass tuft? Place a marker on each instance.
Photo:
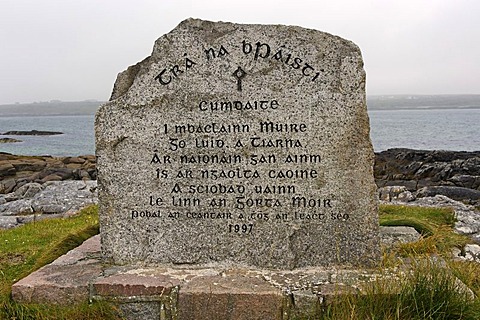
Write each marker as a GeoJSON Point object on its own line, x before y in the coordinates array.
{"type": "Point", "coordinates": [434, 224]}
{"type": "Point", "coordinates": [424, 220]}
{"type": "Point", "coordinates": [29, 247]}
{"type": "Point", "coordinates": [429, 291]}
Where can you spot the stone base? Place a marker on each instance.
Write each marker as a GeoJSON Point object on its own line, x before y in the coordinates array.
{"type": "Point", "coordinates": [186, 292]}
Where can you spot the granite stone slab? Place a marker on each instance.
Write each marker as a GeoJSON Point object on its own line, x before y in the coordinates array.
{"type": "Point", "coordinates": [245, 145]}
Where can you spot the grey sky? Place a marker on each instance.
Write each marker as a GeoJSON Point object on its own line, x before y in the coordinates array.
{"type": "Point", "coordinates": [73, 49]}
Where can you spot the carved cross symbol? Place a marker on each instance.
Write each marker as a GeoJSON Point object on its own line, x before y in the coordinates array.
{"type": "Point", "coordinates": [239, 74]}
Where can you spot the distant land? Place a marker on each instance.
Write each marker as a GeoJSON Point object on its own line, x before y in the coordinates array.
{"type": "Point", "coordinates": [403, 102]}
{"type": "Point", "coordinates": [50, 108]}
{"type": "Point", "coordinates": [374, 102]}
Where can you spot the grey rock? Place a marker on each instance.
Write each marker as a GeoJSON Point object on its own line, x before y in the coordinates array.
{"type": "Point", "coordinates": [408, 184]}
{"type": "Point", "coordinates": [28, 190]}
{"type": "Point", "coordinates": [7, 185]}
{"type": "Point", "coordinates": [476, 237]}
{"type": "Point", "coordinates": [18, 207]}
{"type": "Point", "coordinates": [456, 193]}
{"type": "Point", "coordinates": [48, 207]}
{"type": "Point", "coordinates": [51, 177]}
{"type": "Point", "coordinates": [148, 219]}
{"type": "Point", "coordinates": [395, 193]}
{"type": "Point", "coordinates": [8, 222]}
{"type": "Point", "coordinates": [472, 252]}
{"type": "Point", "coordinates": [402, 234]}
{"type": "Point", "coordinates": [427, 168]}
{"type": "Point", "coordinates": [52, 198]}
{"type": "Point", "coordinates": [7, 170]}
{"type": "Point", "coordinates": [29, 165]}
{"type": "Point", "coordinates": [466, 181]}
{"type": "Point", "coordinates": [63, 196]}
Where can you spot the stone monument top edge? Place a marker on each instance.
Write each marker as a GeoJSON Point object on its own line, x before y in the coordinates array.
{"type": "Point", "coordinates": [195, 36]}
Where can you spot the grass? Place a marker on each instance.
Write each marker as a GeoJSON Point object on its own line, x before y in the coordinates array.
{"type": "Point", "coordinates": [426, 289]}
{"type": "Point", "coordinates": [27, 248]}
{"type": "Point", "coordinates": [429, 290]}
{"type": "Point", "coordinates": [425, 220]}
{"type": "Point", "coordinates": [434, 224]}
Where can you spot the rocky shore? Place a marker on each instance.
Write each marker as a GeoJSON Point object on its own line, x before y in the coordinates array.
{"type": "Point", "coordinates": [430, 173]}
{"type": "Point", "coordinates": [17, 171]}
{"type": "Point", "coordinates": [34, 201]}
{"type": "Point", "coordinates": [426, 173]}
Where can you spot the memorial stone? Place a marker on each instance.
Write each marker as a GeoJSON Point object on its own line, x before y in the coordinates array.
{"type": "Point", "coordinates": [244, 145]}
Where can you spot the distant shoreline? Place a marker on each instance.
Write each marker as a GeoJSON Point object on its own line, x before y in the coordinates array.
{"type": "Point", "coordinates": [374, 103]}
{"type": "Point", "coordinates": [51, 109]}
{"type": "Point", "coordinates": [423, 108]}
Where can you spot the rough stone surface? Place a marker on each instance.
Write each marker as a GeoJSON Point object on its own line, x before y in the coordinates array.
{"type": "Point", "coordinates": [66, 280]}
{"type": "Point", "coordinates": [33, 201]}
{"type": "Point", "coordinates": [207, 297]}
{"type": "Point", "coordinates": [8, 222]}
{"type": "Point", "coordinates": [127, 285]}
{"type": "Point", "coordinates": [168, 110]}
{"type": "Point", "coordinates": [455, 193]}
{"type": "Point", "coordinates": [16, 171]}
{"type": "Point", "coordinates": [395, 193]}
{"type": "Point", "coordinates": [416, 169]}
{"type": "Point", "coordinates": [472, 252]}
{"type": "Point", "coordinates": [186, 292]}
{"type": "Point", "coordinates": [142, 310]}
{"type": "Point", "coordinates": [393, 235]}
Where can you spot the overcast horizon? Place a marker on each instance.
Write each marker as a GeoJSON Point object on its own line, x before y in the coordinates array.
{"type": "Point", "coordinates": [72, 51]}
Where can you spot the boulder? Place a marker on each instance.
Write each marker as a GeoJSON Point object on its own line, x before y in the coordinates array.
{"type": "Point", "coordinates": [64, 196]}
{"type": "Point", "coordinates": [29, 164]}
{"type": "Point", "coordinates": [15, 208]}
{"type": "Point", "coordinates": [421, 168]}
{"type": "Point", "coordinates": [51, 177]}
{"type": "Point", "coordinates": [7, 169]}
{"type": "Point", "coordinates": [466, 181]}
{"type": "Point", "coordinates": [410, 185]}
{"type": "Point", "coordinates": [8, 222]}
{"type": "Point", "coordinates": [73, 160]}
{"type": "Point", "coordinates": [401, 234]}
{"type": "Point", "coordinates": [455, 193]}
{"type": "Point", "coordinates": [82, 174]}
{"type": "Point", "coordinates": [395, 193]}
{"type": "Point", "coordinates": [28, 190]}
{"type": "Point", "coordinates": [472, 252]}
{"type": "Point", "coordinates": [55, 174]}
{"type": "Point", "coordinates": [7, 186]}
{"type": "Point", "coordinates": [90, 158]}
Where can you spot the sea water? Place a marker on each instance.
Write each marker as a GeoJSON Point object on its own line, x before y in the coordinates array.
{"type": "Point", "coordinates": [77, 138]}
{"type": "Point", "coordinates": [427, 129]}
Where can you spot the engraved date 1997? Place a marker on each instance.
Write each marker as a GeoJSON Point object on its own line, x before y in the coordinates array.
{"type": "Point", "coordinates": [240, 228]}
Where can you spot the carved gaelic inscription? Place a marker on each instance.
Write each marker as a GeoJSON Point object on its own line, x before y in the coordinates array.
{"type": "Point", "coordinates": [210, 177]}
